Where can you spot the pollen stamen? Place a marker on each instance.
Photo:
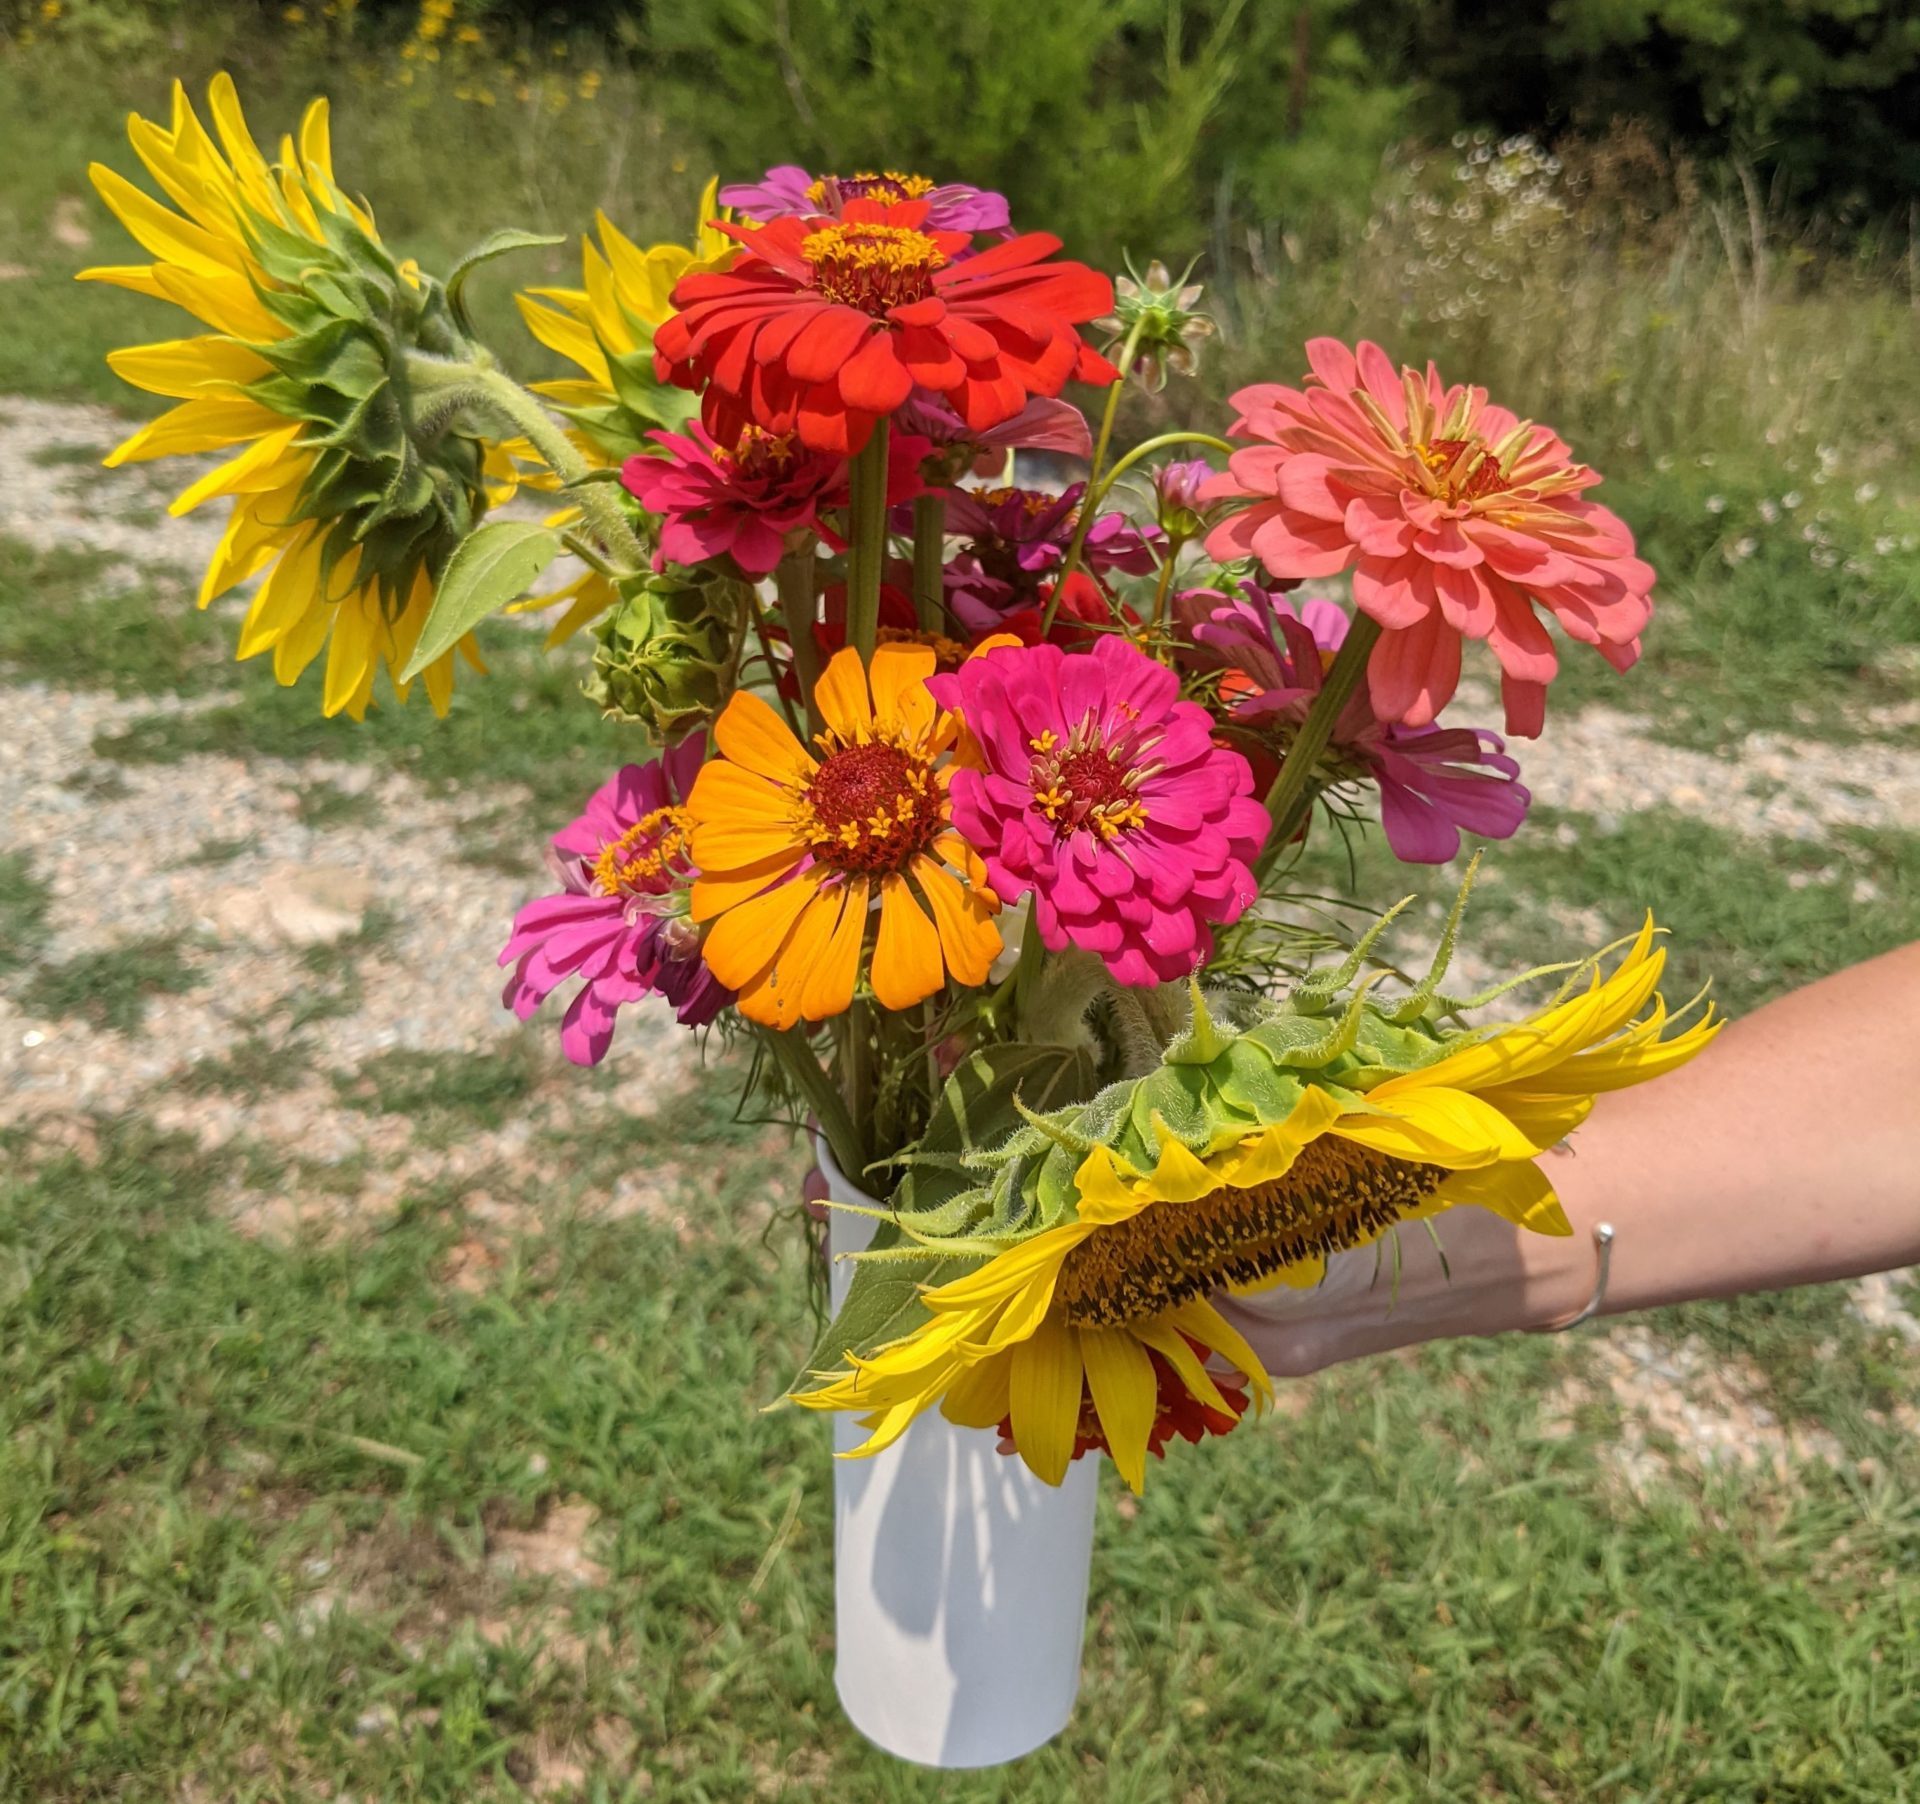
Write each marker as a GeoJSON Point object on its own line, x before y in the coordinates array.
{"type": "Point", "coordinates": [870, 807]}
{"type": "Point", "coordinates": [873, 267]}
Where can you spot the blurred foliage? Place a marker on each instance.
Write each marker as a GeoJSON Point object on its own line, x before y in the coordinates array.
{"type": "Point", "coordinates": [1202, 117]}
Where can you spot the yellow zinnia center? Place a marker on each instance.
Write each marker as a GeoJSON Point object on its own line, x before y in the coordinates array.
{"type": "Point", "coordinates": [1081, 784]}
{"type": "Point", "coordinates": [872, 807]}
{"type": "Point", "coordinates": [873, 267]}
{"type": "Point", "coordinates": [641, 859]}
{"type": "Point", "coordinates": [889, 186]}
{"type": "Point", "coordinates": [1335, 1195]}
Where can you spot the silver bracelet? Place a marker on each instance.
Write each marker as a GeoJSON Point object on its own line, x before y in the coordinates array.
{"type": "Point", "coordinates": [1603, 1249]}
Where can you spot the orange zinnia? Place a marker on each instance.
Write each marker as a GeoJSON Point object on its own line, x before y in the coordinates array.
{"type": "Point", "coordinates": [790, 847]}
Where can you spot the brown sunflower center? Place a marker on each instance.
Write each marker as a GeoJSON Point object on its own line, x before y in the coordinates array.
{"type": "Point", "coordinates": [1335, 1195]}
{"type": "Point", "coordinates": [1080, 783]}
{"type": "Point", "coordinates": [872, 807]}
{"type": "Point", "coordinates": [872, 267]}
{"type": "Point", "coordinates": [643, 859]}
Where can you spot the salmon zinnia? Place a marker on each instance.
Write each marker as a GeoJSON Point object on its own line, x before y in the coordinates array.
{"type": "Point", "coordinates": [793, 847]}
{"type": "Point", "coordinates": [824, 326]}
{"type": "Point", "coordinates": [1456, 518]}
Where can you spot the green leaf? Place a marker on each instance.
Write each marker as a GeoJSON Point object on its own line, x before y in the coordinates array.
{"type": "Point", "coordinates": [883, 1303]}
{"type": "Point", "coordinates": [492, 567]}
{"type": "Point", "coordinates": [500, 244]}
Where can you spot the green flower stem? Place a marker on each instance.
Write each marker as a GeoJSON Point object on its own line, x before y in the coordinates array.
{"type": "Point", "coordinates": [793, 580]}
{"type": "Point", "coordinates": [795, 1055]}
{"type": "Point", "coordinates": [930, 562]}
{"type": "Point", "coordinates": [867, 539]}
{"type": "Point", "coordinates": [855, 1029]}
{"type": "Point", "coordinates": [1097, 491]}
{"type": "Point", "coordinates": [1161, 588]}
{"type": "Point", "coordinates": [1123, 364]}
{"type": "Point", "coordinates": [1294, 792]}
{"type": "Point", "coordinates": [489, 389]}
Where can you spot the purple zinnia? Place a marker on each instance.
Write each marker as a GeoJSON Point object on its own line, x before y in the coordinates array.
{"type": "Point", "coordinates": [1016, 538]}
{"type": "Point", "coordinates": [1433, 780]}
{"type": "Point", "coordinates": [790, 189]}
{"type": "Point", "coordinates": [620, 917]}
{"type": "Point", "coordinates": [1107, 797]}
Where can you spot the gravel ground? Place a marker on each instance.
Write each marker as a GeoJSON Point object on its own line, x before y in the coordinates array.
{"type": "Point", "coordinates": [416, 930]}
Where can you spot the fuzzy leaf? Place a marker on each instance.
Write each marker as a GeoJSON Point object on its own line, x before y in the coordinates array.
{"type": "Point", "coordinates": [492, 567]}
{"type": "Point", "coordinates": [883, 1303]}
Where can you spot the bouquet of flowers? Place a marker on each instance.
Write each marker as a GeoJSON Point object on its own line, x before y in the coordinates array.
{"type": "Point", "coordinates": [969, 798]}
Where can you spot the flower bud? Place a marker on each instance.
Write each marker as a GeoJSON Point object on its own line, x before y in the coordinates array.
{"type": "Point", "coordinates": [666, 654]}
{"type": "Point", "coordinates": [1162, 317]}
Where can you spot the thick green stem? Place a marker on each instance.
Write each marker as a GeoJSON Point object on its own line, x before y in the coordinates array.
{"type": "Point", "coordinates": [1292, 796]}
{"type": "Point", "coordinates": [856, 1079]}
{"type": "Point", "coordinates": [867, 539]}
{"type": "Point", "coordinates": [795, 1054]}
{"type": "Point", "coordinates": [930, 562]}
{"type": "Point", "coordinates": [495, 392]}
{"type": "Point", "coordinates": [793, 581]}
{"type": "Point", "coordinates": [1098, 488]}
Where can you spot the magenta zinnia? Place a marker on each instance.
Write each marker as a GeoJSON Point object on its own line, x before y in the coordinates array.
{"type": "Point", "coordinates": [619, 919]}
{"type": "Point", "coordinates": [1013, 541]}
{"type": "Point", "coordinates": [1433, 781]}
{"type": "Point", "coordinates": [1456, 518]}
{"type": "Point", "coordinates": [951, 206]}
{"type": "Point", "coordinates": [1104, 794]}
{"type": "Point", "coordinates": [745, 501]}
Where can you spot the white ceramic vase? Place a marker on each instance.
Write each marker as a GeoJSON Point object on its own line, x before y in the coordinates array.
{"type": "Point", "coordinates": [960, 1580]}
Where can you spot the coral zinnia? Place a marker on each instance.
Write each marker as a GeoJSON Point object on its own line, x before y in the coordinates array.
{"type": "Point", "coordinates": [1106, 796]}
{"type": "Point", "coordinates": [792, 847]}
{"type": "Point", "coordinates": [1455, 516]}
{"type": "Point", "coordinates": [1433, 781]}
{"type": "Point", "coordinates": [348, 507]}
{"type": "Point", "coordinates": [825, 326]}
{"type": "Point", "coordinates": [1245, 1160]}
{"type": "Point", "coordinates": [619, 920]}
{"type": "Point", "coordinates": [744, 500]}
{"type": "Point", "coordinates": [951, 207]}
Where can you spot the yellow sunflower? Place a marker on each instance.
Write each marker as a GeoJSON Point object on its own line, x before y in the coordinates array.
{"type": "Point", "coordinates": [605, 328]}
{"type": "Point", "coordinates": [792, 848]}
{"type": "Point", "coordinates": [347, 511]}
{"type": "Point", "coordinates": [1296, 1140]}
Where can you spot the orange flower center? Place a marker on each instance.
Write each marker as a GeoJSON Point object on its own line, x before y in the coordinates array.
{"type": "Point", "coordinates": [872, 807]}
{"type": "Point", "coordinates": [642, 860]}
{"type": "Point", "coordinates": [1079, 784]}
{"type": "Point", "coordinates": [872, 267]}
{"type": "Point", "coordinates": [756, 450]}
{"type": "Point", "coordinates": [888, 186]}
{"type": "Point", "coordinates": [1033, 502]}
{"type": "Point", "coordinates": [949, 654]}
{"type": "Point", "coordinates": [1463, 469]}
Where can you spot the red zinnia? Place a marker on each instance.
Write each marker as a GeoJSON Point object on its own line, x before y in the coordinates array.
{"type": "Point", "coordinates": [824, 326]}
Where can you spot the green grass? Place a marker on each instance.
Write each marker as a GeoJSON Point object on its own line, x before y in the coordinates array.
{"type": "Point", "coordinates": [79, 618]}
{"type": "Point", "coordinates": [1419, 1589]}
{"type": "Point", "coordinates": [109, 989]}
{"type": "Point", "coordinates": [23, 910]}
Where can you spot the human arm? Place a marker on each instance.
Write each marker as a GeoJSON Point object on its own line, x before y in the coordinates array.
{"type": "Point", "coordinates": [1788, 1154]}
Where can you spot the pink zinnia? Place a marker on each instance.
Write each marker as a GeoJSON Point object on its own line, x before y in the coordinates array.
{"type": "Point", "coordinates": [790, 189]}
{"type": "Point", "coordinates": [1433, 781]}
{"type": "Point", "coordinates": [620, 918]}
{"type": "Point", "coordinates": [745, 503]}
{"type": "Point", "coordinates": [1044, 424]}
{"type": "Point", "coordinates": [1016, 538]}
{"type": "Point", "coordinates": [1106, 796]}
{"type": "Point", "coordinates": [1456, 518]}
